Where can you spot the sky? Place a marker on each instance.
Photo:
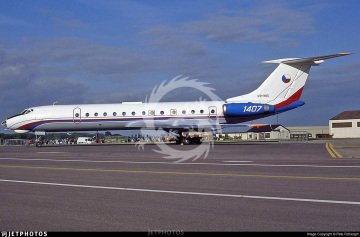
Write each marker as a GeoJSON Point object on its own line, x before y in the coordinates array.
{"type": "Point", "coordinates": [94, 51]}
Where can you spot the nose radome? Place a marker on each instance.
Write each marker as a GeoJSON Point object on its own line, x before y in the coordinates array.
{"type": "Point", "coordinates": [4, 124]}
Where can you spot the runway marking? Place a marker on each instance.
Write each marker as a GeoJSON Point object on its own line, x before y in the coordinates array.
{"type": "Point", "coordinates": [332, 151]}
{"type": "Point", "coordinates": [237, 161]}
{"type": "Point", "coordinates": [51, 152]}
{"type": "Point", "coordinates": [225, 163]}
{"type": "Point", "coordinates": [185, 193]}
{"type": "Point", "coordinates": [182, 173]}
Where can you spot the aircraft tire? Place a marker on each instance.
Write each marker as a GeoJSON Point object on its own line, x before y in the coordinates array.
{"type": "Point", "coordinates": [197, 140]}
{"type": "Point", "coordinates": [186, 141]}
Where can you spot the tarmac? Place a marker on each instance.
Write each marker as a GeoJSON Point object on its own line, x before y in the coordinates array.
{"type": "Point", "coordinates": [262, 186]}
{"type": "Point", "coordinates": [348, 148]}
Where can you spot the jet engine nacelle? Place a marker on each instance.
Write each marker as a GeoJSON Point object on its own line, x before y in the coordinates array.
{"type": "Point", "coordinates": [247, 109]}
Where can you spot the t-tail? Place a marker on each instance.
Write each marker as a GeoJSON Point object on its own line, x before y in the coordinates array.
{"type": "Point", "coordinates": [280, 92]}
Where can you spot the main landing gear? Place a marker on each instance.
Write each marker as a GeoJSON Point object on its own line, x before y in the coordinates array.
{"type": "Point", "coordinates": [188, 138]}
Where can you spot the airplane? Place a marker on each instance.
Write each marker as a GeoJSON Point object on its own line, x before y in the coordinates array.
{"type": "Point", "coordinates": [280, 92]}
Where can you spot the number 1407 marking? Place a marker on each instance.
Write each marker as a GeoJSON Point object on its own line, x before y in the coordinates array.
{"type": "Point", "coordinates": [253, 108]}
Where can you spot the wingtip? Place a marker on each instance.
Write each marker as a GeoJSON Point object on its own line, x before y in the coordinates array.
{"type": "Point", "coordinates": [343, 54]}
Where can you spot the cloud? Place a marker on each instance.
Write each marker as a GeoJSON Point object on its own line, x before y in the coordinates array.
{"type": "Point", "coordinates": [263, 23]}
{"type": "Point", "coordinates": [75, 70]}
{"type": "Point", "coordinates": [165, 38]}
{"type": "Point", "coordinates": [178, 51]}
{"type": "Point", "coordinates": [63, 18]}
{"type": "Point", "coordinates": [38, 72]}
{"type": "Point", "coordinates": [65, 56]}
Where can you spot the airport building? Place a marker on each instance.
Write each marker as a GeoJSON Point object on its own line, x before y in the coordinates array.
{"type": "Point", "coordinates": [311, 131]}
{"type": "Point", "coordinates": [277, 132]}
{"type": "Point", "coordinates": [267, 132]}
{"type": "Point", "coordinates": [345, 125]}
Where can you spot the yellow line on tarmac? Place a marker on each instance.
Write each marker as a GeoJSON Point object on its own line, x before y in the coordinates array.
{"type": "Point", "coordinates": [329, 150]}
{"type": "Point", "coordinates": [332, 151]}
{"type": "Point", "coordinates": [182, 173]}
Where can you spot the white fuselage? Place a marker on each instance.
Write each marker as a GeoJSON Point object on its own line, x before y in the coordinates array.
{"type": "Point", "coordinates": [136, 115]}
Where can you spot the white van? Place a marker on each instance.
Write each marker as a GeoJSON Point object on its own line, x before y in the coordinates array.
{"type": "Point", "coordinates": [85, 140]}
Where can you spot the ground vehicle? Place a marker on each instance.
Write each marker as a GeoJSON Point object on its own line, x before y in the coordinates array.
{"type": "Point", "coordinates": [85, 140]}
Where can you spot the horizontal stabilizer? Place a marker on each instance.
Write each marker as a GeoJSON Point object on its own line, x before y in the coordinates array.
{"type": "Point", "coordinates": [312, 61]}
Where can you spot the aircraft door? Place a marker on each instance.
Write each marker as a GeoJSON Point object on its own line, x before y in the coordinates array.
{"type": "Point", "coordinates": [77, 115]}
{"type": "Point", "coordinates": [212, 112]}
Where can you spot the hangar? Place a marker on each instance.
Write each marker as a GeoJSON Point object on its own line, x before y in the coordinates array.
{"type": "Point", "coordinates": [276, 131]}
{"type": "Point", "coordinates": [312, 131]}
{"type": "Point", "coordinates": [345, 125]}
{"type": "Point", "coordinates": [267, 132]}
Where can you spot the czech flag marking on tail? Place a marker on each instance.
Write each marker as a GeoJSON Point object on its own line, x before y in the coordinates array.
{"type": "Point", "coordinates": [286, 78]}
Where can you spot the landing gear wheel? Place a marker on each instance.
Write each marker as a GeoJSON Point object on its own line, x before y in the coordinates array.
{"type": "Point", "coordinates": [186, 141]}
{"type": "Point", "coordinates": [197, 140]}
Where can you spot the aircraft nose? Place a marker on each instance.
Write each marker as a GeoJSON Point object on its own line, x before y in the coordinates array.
{"type": "Point", "coordinates": [4, 124]}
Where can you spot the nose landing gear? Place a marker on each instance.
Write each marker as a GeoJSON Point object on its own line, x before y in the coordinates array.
{"type": "Point", "coordinates": [38, 135]}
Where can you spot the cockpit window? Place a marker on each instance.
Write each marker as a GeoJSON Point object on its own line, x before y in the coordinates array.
{"type": "Point", "coordinates": [26, 111]}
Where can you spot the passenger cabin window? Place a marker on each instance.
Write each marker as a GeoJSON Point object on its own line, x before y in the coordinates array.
{"type": "Point", "coordinates": [105, 114]}
{"type": "Point", "coordinates": [173, 112]}
{"type": "Point", "coordinates": [123, 113]}
{"type": "Point", "coordinates": [201, 111]}
{"type": "Point", "coordinates": [133, 113]}
{"type": "Point", "coordinates": [184, 112]}
{"type": "Point", "coordinates": [193, 111]}
{"type": "Point", "coordinates": [143, 113]}
{"type": "Point", "coordinates": [114, 114]}
{"type": "Point", "coordinates": [96, 114]}
{"type": "Point", "coordinates": [151, 112]}
{"type": "Point", "coordinates": [87, 114]}
{"type": "Point", "coordinates": [77, 114]}
{"type": "Point", "coordinates": [162, 112]}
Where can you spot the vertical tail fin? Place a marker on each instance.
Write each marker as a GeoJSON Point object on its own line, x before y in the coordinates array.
{"type": "Point", "coordinates": [285, 84]}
